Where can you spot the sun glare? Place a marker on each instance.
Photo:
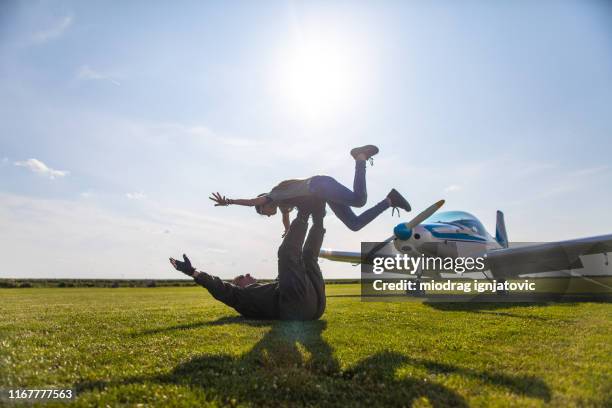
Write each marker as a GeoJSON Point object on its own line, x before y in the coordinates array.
{"type": "Point", "coordinates": [317, 79]}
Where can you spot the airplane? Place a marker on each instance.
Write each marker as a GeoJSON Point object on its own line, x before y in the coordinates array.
{"type": "Point", "coordinates": [460, 234]}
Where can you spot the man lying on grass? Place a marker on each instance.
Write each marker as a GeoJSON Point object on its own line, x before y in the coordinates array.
{"type": "Point", "coordinates": [298, 293]}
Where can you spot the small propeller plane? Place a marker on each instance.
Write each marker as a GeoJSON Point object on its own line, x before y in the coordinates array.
{"type": "Point", "coordinates": [460, 234]}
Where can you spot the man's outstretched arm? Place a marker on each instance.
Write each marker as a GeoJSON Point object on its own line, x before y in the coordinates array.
{"type": "Point", "coordinates": [220, 290]}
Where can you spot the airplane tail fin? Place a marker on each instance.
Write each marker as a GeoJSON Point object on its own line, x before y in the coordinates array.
{"type": "Point", "coordinates": [501, 236]}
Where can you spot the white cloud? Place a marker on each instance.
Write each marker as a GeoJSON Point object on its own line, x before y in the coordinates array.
{"type": "Point", "coordinates": [237, 141]}
{"type": "Point", "coordinates": [453, 188]}
{"type": "Point", "coordinates": [193, 130]}
{"type": "Point", "coordinates": [41, 168]}
{"type": "Point", "coordinates": [590, 171]}
{"type": "Point", "coordinates": [86, 73]}
{"type": "Point", "coordinates": [137, 195]}
{"type": "Point", "coordinates": [52, 32]}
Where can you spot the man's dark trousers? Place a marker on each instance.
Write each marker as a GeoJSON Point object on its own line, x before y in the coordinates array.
{"type": "Point", "coordinates": [299, 293]}
{"type": "Point", "coordinates": [301, 284]}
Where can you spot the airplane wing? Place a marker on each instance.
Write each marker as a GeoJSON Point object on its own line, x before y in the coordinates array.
{"type": "Point", "coordinates": [551, 256]}
{"type": "Point", "coordinates": [341, 256]}
{"type": "Point", "coordinates": [350, 257]}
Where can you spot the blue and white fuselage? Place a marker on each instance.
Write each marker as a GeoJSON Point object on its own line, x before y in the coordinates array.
{"type": "Point", "coordinates": [450, 233]}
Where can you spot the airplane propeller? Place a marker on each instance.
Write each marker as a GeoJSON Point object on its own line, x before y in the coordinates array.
{"type": "Point", "coordinates": [404, 231]}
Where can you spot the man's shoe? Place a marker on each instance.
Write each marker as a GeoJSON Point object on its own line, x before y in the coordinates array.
{"type": "Point", "coordinates": [398, 201]}
{"type": "Point", "coordinates": [368, 151]}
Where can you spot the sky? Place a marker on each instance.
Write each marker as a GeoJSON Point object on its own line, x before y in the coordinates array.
{"type": "Point", "coordinates": [118, 119]}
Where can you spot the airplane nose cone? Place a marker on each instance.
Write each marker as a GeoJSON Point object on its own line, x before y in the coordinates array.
{"type": "Point", "coordinates": [402, 232]}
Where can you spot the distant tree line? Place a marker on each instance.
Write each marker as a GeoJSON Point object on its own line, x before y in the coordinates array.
{"type": "Point", "coordinates": [115, 283]}
{"type": "Point", "coordinates": [92, 283]}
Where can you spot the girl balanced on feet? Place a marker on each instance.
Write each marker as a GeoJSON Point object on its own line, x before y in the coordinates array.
{"type": "Point", "coordinates": [290, 193]}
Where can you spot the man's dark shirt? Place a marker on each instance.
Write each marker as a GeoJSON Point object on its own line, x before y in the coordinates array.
{"type": "Point", "coordinates": [255, 301]}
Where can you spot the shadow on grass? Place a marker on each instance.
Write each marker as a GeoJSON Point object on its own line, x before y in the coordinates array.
{"type": "Point", "coordinates": [488, 308]}
{"type": "Point", "coordinates": [493, 307]}
{"type": "Point", "coordinates": [505, 305]}
{"type": "Point", "coordinates": [293, 365]}
{"type": "Point", "coordinates": [343, 296]}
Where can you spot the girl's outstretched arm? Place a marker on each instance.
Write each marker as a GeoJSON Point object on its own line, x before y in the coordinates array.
{"type": "Point", "coordinates": [221, 200]}
{"type": "Point", "coordinates": [286, 222]}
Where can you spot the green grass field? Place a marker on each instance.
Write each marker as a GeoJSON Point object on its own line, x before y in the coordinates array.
{"type": "Point", "coordinates": [179, 347]}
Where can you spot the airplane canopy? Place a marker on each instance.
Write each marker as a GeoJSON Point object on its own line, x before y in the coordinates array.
{"type": "Point", "coordinates": [458, 217]}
